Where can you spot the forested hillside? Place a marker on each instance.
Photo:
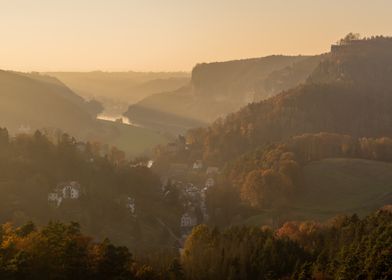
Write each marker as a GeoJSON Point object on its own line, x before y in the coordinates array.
{"type": "Point", "coordinates": [345, 247]}
{"type": "Point", "coordinates": [33, 168]}
{"type": "Point", "coordinates": [349, 92]}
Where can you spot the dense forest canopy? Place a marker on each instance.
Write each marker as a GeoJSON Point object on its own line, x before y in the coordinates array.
{"type": "Point", "coordinates": [345, 247]}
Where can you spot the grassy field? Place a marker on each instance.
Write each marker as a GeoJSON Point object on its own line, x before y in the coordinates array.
{"type": "Point", "coordinates": [337, 186]}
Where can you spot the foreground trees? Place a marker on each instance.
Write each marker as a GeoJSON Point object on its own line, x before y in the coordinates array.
{"type": "Point", "coordinates": [59, 251]}
{"type": "Point", "coordinates": [344, 248]}
{"type": "Point", "coordinates": [239, 253]}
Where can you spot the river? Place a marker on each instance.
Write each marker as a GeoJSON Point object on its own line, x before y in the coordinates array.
{"type": "Point", "coordinates": [115, 118]}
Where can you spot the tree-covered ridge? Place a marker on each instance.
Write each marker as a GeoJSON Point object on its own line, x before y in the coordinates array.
{"type": "Point", "coordinates": [337, 108]}
{"type": "Point", "coordinates": [348, 93]}
{"type": "Point", "coordinates": [33, 166]}
{"type": "Point", "coordinates": [59, 251]}
{"type": "Point", "coordinates": [344, 248]}
{"type": "Point", "coordinates": [62, 251]}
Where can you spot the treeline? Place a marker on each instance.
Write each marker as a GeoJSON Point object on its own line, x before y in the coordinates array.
{"type": "Point", "coordinates": [344, 248]}
{"type": "Point", "coordinates": [239, 253]}
{"type": "Point", "coordinates": [61, 251]}
{"type": "Point", "coordinates": [312, 108]}
{"type": "Point", "coordinates": [268, 177]}
{"type": "Point", "coordinates": [33, 165]}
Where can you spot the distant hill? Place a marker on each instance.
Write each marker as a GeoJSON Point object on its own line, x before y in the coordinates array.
{"type": "Point", "coordinates": [219, 88]}
{"type": "Point", "coordinates": [29, 100]}
{"type": "Point", "coordinates": [173, 117]}
{"type": "Point", "coordinates": [127, 86]}
{"type": "Point", "coordinates": [338, 186]}
{"type": "Point", "coordinates": [91, 105]}
{"type": "Point", "coordinates": [117, 90]}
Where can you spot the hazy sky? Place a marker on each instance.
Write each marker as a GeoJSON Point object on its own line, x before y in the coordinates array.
{"type": "Point", "coordinates": [117, 35]}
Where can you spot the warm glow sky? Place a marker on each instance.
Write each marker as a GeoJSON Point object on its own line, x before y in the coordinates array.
{"type": "Point", "coordinates": [142, 35]}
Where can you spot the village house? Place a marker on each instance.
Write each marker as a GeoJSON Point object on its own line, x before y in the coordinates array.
{"type": "Point", "coordinates": [55, 198]}
{"type": "Point", "coordinates": [70, 190]}
{"type": "Point", "coordinates": [131, 206]}
{"type": "Point", "coordinates": [192, 190]}
{"type": "Point", "coordinates": [188, 221]}
{"type": "Point", "coordinates": [198, 164]}
{"type": "Point", "coordinates": [63, 191]}
{"type": "Point", "coordinates": [24, 129]}
{"type": "Point", "coordinates": [210, 183]}
{"type": "Point", "coordinates": [150, 163]}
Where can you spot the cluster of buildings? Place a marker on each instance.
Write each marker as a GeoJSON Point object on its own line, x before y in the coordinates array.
{"type": "Point", "coordinates": [193, 195]}
{"type": "Point", "coordinates": [24, 129]}
{"type": "Point", "coordinates": [72, 191]}
{"type": "Point", "coordinates": [131, 206]}
{"type": "Point", "coordinates": [64, 191]}
{"type": "Point", "coordinates": [357, 44]}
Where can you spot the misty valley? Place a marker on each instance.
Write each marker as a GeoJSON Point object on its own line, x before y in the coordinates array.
{"type": "Point", "coordinates": [274, 167]}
